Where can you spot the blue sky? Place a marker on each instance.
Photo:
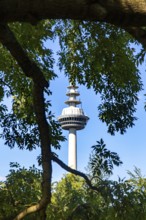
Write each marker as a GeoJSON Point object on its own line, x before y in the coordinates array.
{"type": "Point", "coordinates": [131, 146]}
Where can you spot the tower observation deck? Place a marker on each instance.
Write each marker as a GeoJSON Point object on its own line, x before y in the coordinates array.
{"type": "Point", "coordinates": [72, 119]}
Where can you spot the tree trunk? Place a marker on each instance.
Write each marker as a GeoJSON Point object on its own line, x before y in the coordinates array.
{"type": "Point", "coordinates": [42, 214]}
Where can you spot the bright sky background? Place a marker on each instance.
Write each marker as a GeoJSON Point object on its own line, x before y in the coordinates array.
{"type": "Point", "coordinates": [131, 146]}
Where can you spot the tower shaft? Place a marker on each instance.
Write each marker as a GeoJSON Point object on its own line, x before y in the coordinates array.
{"type": "Point", "coordinates": [72, 148]}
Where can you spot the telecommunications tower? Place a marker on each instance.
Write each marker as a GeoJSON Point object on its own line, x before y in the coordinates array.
{"type": "Point", "coordinates": [72, 119]}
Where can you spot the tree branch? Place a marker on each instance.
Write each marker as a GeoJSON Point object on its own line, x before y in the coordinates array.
{"type": "Point", "coordinates": [122, 13]}
{"type": "Point", "coordinates": [119, 12]}
{"type": "Point", "coordinates": [28, 210]}
{"type": "Point", "coordinates": [75, 172]}
{"type": "Point", "coordinates": [28, 66]}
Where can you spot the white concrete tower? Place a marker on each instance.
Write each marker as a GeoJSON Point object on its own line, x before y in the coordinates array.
{"type": "Point", "coordinates": [72, 119]}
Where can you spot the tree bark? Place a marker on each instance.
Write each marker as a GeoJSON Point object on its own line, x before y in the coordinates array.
{"type": "Point", "coordinates": [119, 12]}
{"type": "Point", "coordinates": [127, 14]}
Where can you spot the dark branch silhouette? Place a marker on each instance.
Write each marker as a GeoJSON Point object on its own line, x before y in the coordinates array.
{"type": "Point", "coordinates": [75, 172]}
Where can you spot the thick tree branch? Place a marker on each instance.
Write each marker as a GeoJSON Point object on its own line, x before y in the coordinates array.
{"type": "Point", "coordinates": [119, 12]}
{"type": "Point", "coordinates": [75, 172]}
{"type": "Point", "coordinates": [29, 210]}
{"type": "Point", "coordinates": [122, 13]}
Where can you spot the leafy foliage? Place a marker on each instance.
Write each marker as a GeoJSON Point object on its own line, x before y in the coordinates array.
{"type": "Point", "coordinates": [67, 194]}
{"type": "Point", "coordinates": [18, 122]}
{"type": "Point", "coordinates": [99, 55]}
{"type": "Point", "coordinates": [119, 200]}
{"type": "Point", "coordinates": [22, 188]}
{"type": "Point", "coordinates": [56, 132]}
{"type": "Point", "coordinates": [102, 160]}
{"type": "Point", "coordinates": [72, 198]}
